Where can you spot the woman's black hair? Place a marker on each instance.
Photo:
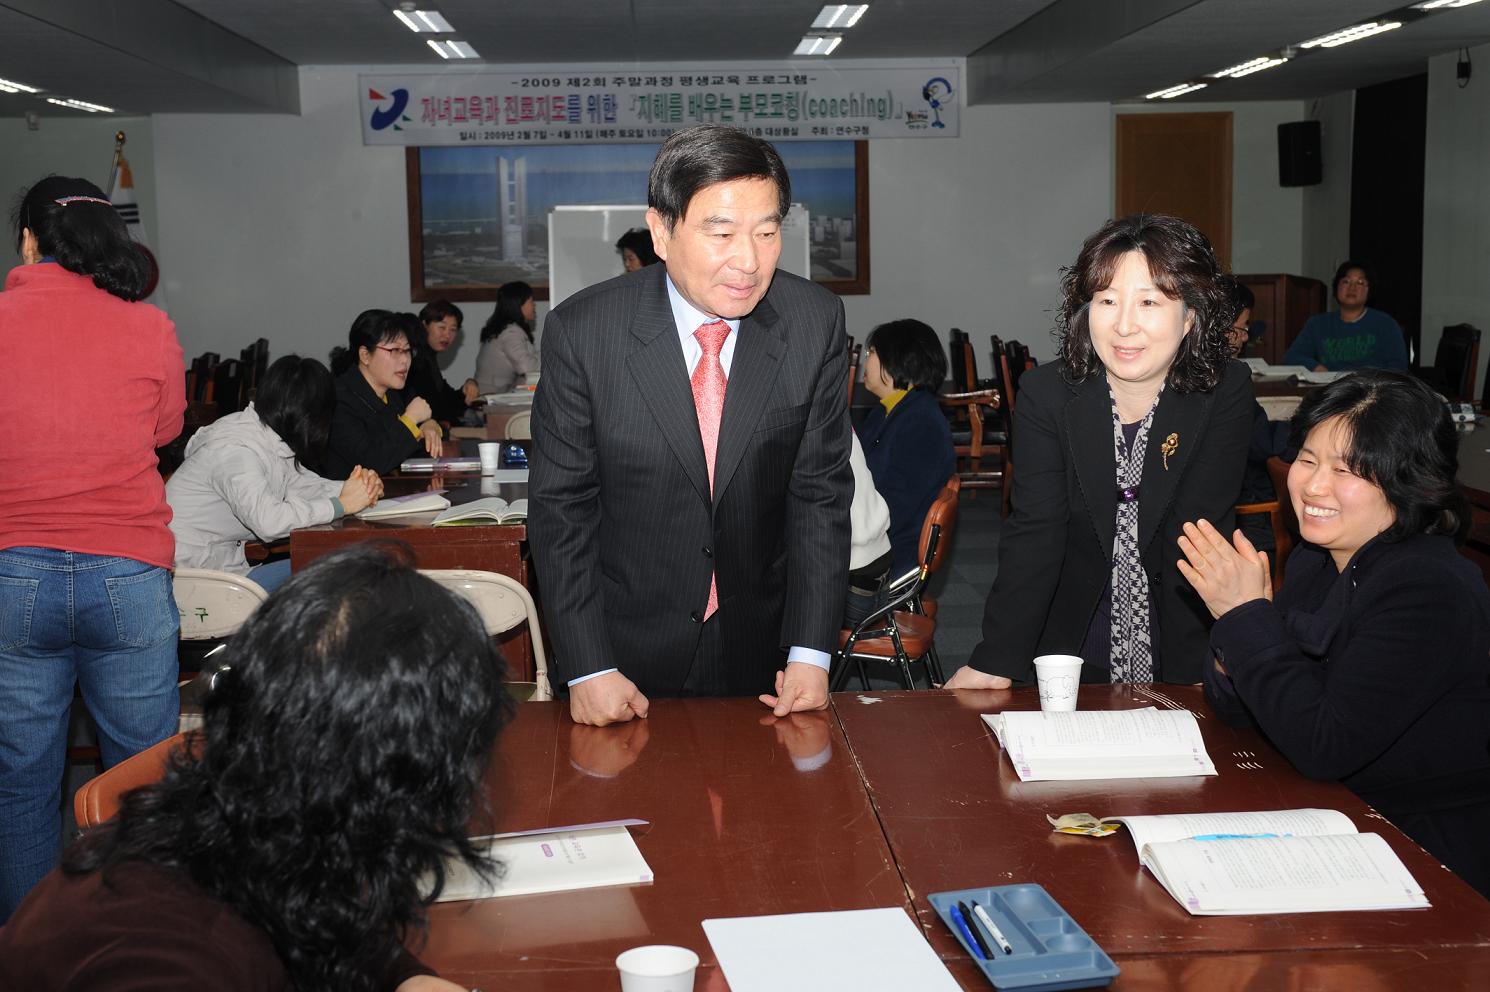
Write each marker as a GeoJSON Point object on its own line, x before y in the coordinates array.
{"type": "Point", "coordinates": [1400, 438]}
{"type": "Point", "coordinates": [1184, 267]}
{"type": "Point", "coordinates": [370, 329]}
{"type": "Point", "coordinates": [436, 310]}
{"type": "Point", "coordinates": [510, 299]}
{"type": "Point", "coordinates": [708, 154]}
{"type": "Point", "coordinates": [340, 761]}
{"type": "Point", "coordinates": [911, 353]}
{"type": "Point", "coordinates": [639, 240]}
{"type": "Point", "coordinates": [75, 225]}
{"type": "Point", "coordinates": [296, 400]}
{"type": "Point", "coordinates": [1343, 269]}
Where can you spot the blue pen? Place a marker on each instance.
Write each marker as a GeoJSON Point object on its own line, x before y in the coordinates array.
{"type": "Point", "coordinates": [967, 933]}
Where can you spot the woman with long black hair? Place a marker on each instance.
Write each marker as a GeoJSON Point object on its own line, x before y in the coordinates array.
{"type": "Point", "coordinates": [93, 384]}
{"type": "Point", "coordinates": [296, 842]}
{"type": "Point", "coordinates": [252, 475]}
{"type": "Point", "coordinates": [507, 351]}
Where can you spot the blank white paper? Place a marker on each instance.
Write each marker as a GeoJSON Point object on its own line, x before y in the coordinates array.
{"type": "Point", "coordinates": [867, 950]}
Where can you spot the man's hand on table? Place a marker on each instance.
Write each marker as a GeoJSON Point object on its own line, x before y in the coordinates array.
{"type": "Point", "coordinates": [968, 677]}
{"type": "Point", "coordinates": [606, 699]}
{"type": "Point", "coordinates": [801, 686]}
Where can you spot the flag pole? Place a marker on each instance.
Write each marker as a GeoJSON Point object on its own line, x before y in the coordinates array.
{"type": "Point", "coordinates": [114, 167]}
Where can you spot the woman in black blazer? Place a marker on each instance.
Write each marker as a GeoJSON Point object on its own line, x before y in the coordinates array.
{"type": "Point", "coordinates": [1373, 665]}
{"type": "Point", "coordinates": [373, 425]}
{"type": "Point", "coordinates": [1142, 424]}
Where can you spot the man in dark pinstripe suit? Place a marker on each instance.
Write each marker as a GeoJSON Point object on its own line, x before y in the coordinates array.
{"type": "Point", "coordinates": [669, 565]}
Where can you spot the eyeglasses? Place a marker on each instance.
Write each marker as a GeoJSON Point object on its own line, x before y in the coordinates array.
{"type": "Point", "coordinates": [1354, 282]}
{"type": "Point", "coordinates": [395, 352]}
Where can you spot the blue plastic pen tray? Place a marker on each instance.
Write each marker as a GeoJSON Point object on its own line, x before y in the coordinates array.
{"type": "Point", "coordinates": [1050, 951]}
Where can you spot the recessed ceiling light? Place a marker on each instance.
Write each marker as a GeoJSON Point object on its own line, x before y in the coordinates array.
{"type": "Point", "coordinates": [1353, 33]}
{"type": "Point", "coordinates": [8, 86]}
{"type": "Point", "coordinates": [452, 49]}
{"type": "Point", "coordinates": [1174, 91]}
{"type": "Point", "coordinates": [1443, 4]}
{"type": "Point", "coordinates": [1248, 68]}
{"type": "Point", "coordinates": [423, 21]}
{"type": "Point", "coordinates": [818, 44]}
{"type": "Point", "coordinates": [92, 108]}
{"type": "Point", "coordinates": [839, 15]}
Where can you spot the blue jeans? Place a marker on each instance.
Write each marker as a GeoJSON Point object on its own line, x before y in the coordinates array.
{"type": "Point", "coordinates": [108, 625]}
{"type": "Point", "coordinates": [271, 575]}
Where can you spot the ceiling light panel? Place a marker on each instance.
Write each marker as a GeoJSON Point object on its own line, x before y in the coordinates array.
{"type": "Point", "coordinates": [1443, 4]}
{"type": "Point", "coordinates": [836, 16]}
{"type": "Point", "coordinates": [424, 21]}
{"type": "Point", "coordinates": [10, 86]}
{"type": "Point", "coordinates": [452, 49]}
{"type": "Point", "coordinates": [1355, 32]}
{"type": "Point", "coordinates": [1257, 66]}
{"type": "Point", "coordinates": [818, 44]}
{"type": "Point", "coordinates": [92, 108]}
{"type": "Point", "coordinates": [1174, 91]}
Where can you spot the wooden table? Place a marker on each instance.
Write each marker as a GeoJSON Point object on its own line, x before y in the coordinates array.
{"type": "Point", "coordinates": [749, 815]}
{"type": "Point", "coordinates": [957, 815]}
{"type": "Point", "coordinates": [491, 548]}
{"type": "Point", "coordinates": [880, 803]}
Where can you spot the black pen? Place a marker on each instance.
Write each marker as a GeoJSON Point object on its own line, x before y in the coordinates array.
{"type": "Point", "coordinates": [973, 929]}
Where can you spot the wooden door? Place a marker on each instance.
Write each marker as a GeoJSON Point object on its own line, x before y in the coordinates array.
{"type": "Point", "coordinates": [1178, 164]}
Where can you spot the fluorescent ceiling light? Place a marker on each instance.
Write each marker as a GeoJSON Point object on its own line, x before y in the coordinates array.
{"type": "Point", "coordinates": [839, 15]}
{"type": "Point", "coordinates": [1174, 91]}
{"type": "Point", "coordinates": [452, 49]}
{"type": "Point", "coordinates": [1443, 4]}
{"type": "Point", "coordinates": [1353, 33]}
{"type": "Point", "coordinates": [1257, 66]}
{"type": "Point", "coordinates": [424, 21]}
{"type": "Point", "coordinates": [92, 108]}
{"type": "Point", "coordinates": [818, 44]}
{"type": "Point", "coordinates": [9, 86]}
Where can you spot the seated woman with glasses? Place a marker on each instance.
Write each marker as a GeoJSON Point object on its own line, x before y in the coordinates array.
{"type": "Point", "coordinates": [374, 426]}
{"type": "Point", "coordinates": [1353, 337]}
{"type": "Point", "coordinates": [1371, 666]}
{"type": "Point", "coordinates": [294, 843]}
{"type": "Point", "coordinates": [252, 475]}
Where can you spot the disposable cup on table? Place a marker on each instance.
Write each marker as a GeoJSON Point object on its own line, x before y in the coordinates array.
{"type": "Point", "coordinates": [491, 456]}
{"type": "Point", "coordinates": [657, 968]}
{"type": "Point", "coordinates": [1059, 678]}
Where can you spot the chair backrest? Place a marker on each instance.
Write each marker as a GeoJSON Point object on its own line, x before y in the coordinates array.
{"type": "Point", "coordinates": [98, 799]}
{"type": "Point", "coordinates": [1457, 359]}
{"type": "Point", "coordinates": [502, 603]}
{"type": "Point", "coordinates": [214, 604]}
{"type": "Point", "coordinates": [227, 386]}
{"type": "Point", "coordinates": [940, 522]}
{"type": "Point", "coordinates": [520, 426]}
{"type": "Point", "coordinates": [963, 366]}
{"type": "Point", "coordinates": [854, 353]}
{"type": "Point", "coordinates": [1019, 363]}
{"type": "Point", "coordinates": [1278, 472]}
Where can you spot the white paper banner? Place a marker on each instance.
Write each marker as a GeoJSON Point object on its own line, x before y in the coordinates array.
{"type": "Point", "coordinates": [559, 107]}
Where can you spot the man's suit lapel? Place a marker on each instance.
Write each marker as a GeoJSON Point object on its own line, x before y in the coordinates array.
{"type": "Point", "coordinates": [1178, 424]}
{"type": "Point", "coordinates": [1089, 434]}
{"type": "Point", "coordinates": [752, 380]}
{"type": "Point", "coordinates": [661, 374]}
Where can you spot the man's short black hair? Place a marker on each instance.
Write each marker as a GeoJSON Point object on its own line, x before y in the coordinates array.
{"type": "Point", "coordinates": [706, 155]}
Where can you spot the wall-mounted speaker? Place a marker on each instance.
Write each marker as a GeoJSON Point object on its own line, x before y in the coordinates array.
{"type": "Point", "coordinates": [1298, 154]}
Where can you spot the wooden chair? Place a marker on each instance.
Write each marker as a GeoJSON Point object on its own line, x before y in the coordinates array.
{"type": "Point", "coordinates": [1285, 525]}
{"type": "Point", "coordinates": [901, 632]}
{"type": "Point", "coordinates": [1004, 376]}
{"type": "Point", "coordinates": [502, 603]}
{"type": "Point", "coordinates": [977, 431]}
{"type": "Point", "coordinates": [98, 799]}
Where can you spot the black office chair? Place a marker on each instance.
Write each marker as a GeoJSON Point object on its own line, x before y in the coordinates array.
{"type": "Point", "coordinates": [1455, 362]}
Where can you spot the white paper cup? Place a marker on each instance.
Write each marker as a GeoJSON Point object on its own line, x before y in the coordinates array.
{"type": "Point", "coordinates": [491, 456]}
{"type": "Point", "coordinates": [1059, 676]}
{"type": "Point", "coordinates": [657, 968]}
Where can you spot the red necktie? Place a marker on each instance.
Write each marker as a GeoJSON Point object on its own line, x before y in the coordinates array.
{"type": "Point", "coordinates": [708, 399]}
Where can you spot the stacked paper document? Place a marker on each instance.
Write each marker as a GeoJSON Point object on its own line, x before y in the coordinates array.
{"type": "Point", "coordinates": [1098, 744]}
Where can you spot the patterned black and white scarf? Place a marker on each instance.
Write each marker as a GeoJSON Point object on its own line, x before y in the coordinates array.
{"type": "Point", "coordinates": [1132, 658]}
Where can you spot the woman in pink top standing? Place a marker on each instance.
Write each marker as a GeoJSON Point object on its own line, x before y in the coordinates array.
{"type": "Point", "coordinates": [93, 382]}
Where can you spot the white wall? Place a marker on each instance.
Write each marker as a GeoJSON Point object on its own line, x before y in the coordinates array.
{"type": "Point", "coordinates": [1456, 203]}
{"type": "Point", "coordinates": [1267, 232]}
{"type": "Point", "coordinates": [80, 146]}
{"type": "Point", "coordinates": [1327, 205]}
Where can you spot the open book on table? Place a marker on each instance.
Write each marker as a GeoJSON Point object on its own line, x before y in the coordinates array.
{"type": "Point", "coordinates": [449, 463]}
{"type": "Point", "coordinates": [1279, 861]}
{"type": "Point", "coordinates": [397, 506]}
{"type": "Point", "coordinates": [1101, 744]}
{"type": "Point", "coordinates": [488, 509]}
{"type": "Point", "coordinates": [553, 860]}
